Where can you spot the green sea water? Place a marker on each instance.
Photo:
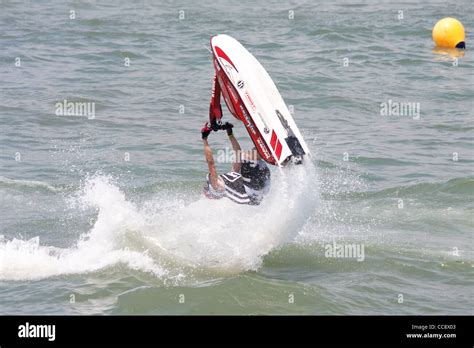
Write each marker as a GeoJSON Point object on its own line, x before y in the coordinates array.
{"type": "Point", "coordinates": [104, 214]}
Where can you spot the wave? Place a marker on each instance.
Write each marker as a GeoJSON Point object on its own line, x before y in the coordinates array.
{"type": "Point", "coordinates": [17, 183]}
{"type": "Point", "coordinates": [95, 250]}
{"type": "Point", "coordinates": [167, 236]}
{"type": "Point", "coordinates": [176, 237]}
{"type": "Point", "coordinates": [460, 187]}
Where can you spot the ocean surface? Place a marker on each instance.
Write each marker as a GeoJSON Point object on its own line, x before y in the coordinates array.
{"type": "Point", "coordinates": [104, 214]}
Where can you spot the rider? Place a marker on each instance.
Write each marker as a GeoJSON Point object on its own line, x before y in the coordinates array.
{"type": "Point", "coordinates": [249, 178]}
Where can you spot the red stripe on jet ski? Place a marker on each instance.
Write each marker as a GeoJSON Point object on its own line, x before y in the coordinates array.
{"type": "Point", "coordinates": [273, 141]}
{"type": "Point", "coordinates": [222, 54]}
{"type": "Point", "coordinates": [278, 150]}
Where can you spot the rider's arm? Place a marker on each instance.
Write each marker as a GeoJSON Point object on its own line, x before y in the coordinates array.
{"type": "Point", "coordinates": [237, 150]}
{"type": "Point", "coordinates": [210, 164]}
